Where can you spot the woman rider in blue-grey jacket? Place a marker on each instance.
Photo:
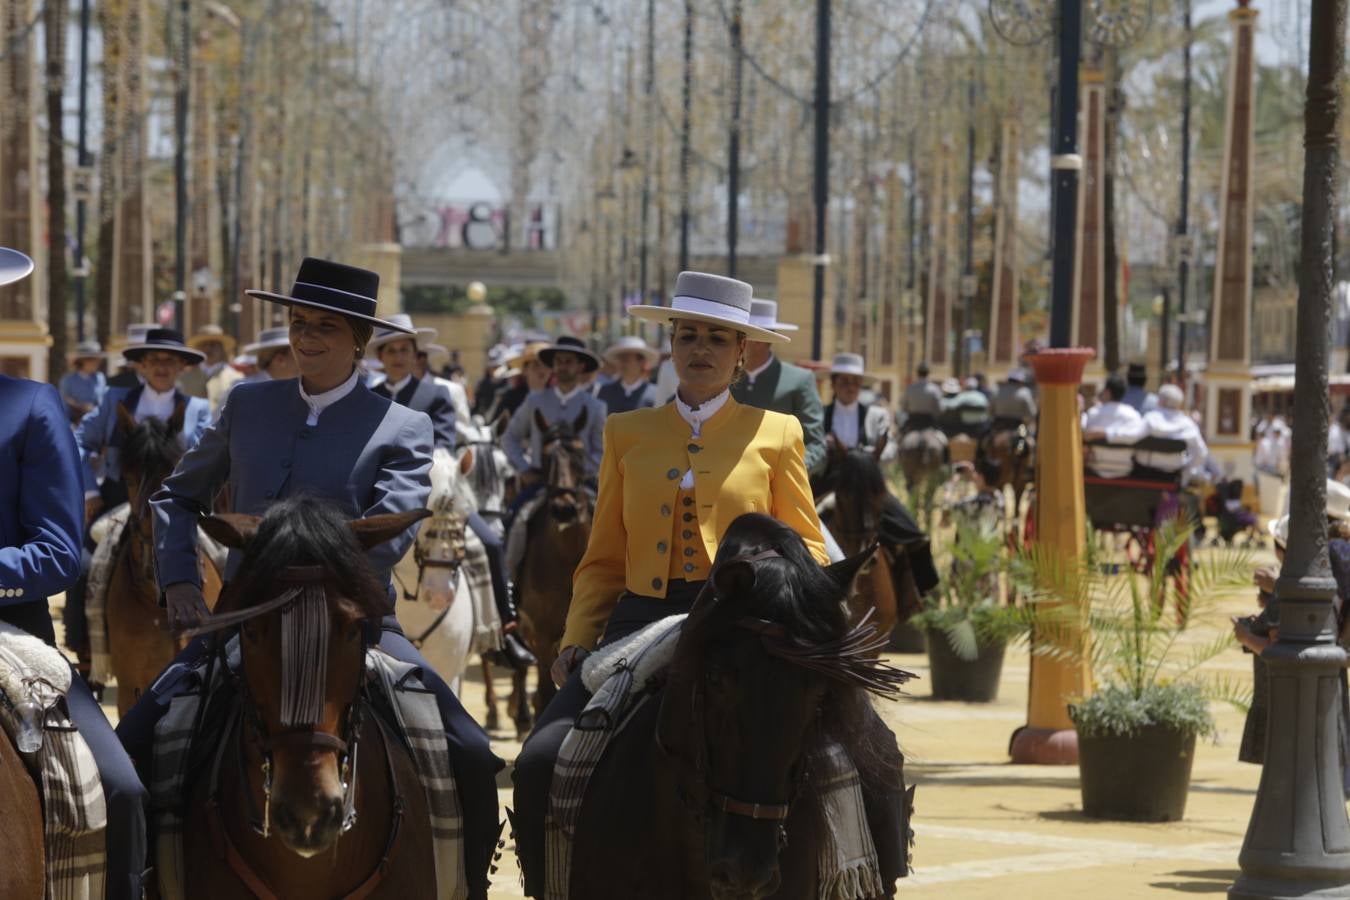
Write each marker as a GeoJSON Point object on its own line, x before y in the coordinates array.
{"type": "Point", "coordinates": [324, 434]}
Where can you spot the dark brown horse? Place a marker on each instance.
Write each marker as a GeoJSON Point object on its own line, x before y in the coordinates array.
{"type": "Point", "coordinates": [922, 454]}
{"type": "Point", "coordinates": [885, 584]}
{"type": "Point", "coordinates": [139, 643]}
{"type": "Point", "coordinates": [1014, 450]}
{"type": "Point", "coordinates": [556, 540]}
{"type": "Point", "coordinates": [701, 792]}
{"type": "Point", "coordinates": [267, 806]}
{"type": "Point", "coordinates": [23, 872]}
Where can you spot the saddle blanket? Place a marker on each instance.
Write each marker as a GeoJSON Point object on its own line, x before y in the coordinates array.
{"type": "Point", "coordinates": [107, 533]}
{"type": "Point", "coordinates": [75, 816]}
{"type": "Point", "coordinates": [418, 720]}
{"type": "Point", "coordinates": [621, 678]}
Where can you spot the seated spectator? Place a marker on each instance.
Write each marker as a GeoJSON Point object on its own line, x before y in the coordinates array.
{"type": "Point", "coordinates": [1117, 424]}
{"type": "Point", "coordinates": [1170, 421]}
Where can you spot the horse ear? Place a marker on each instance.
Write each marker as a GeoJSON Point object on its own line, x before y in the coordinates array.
{"type": "Point", "coordinates": [838, 452]}
{"type": "Point", "coordinates": [375, 530]}
{"type": "Point", "coordinates": [233, 530]}
{"type": "Point", "coordinates": [844, 571]}
{"type": "Point", "coordinates": [126, 422]}
{"type": "Point", "coordinates": [540, 422]}
{"type": "Point", "coordinates": [466, 461]}
{"type": "Point", "coordinates": [580, 424]}
{"type": "Point", "coordinates": [734, 578]}
{"type": "Point", "coordinates": [499, 426]}
{"type": "Point", "coordinates": [179, 416]}
{"type": "Point", "coordinates": [880, 448]}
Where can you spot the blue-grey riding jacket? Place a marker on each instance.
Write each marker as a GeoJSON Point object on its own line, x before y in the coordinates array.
{"type": "Point", "coordinates": [367, 454]}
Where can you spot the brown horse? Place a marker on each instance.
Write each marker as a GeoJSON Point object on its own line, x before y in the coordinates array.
{"type": "Point", "coordinates": [139, 642]}
{"type": "Point", "coordinates": [1014, 450]}
{"type": "Point", "coordinates": [267, 808]}
{"type": "Point", "coordinates": [885, 583]}
{"type": "Point", "coordinates": [23, 872]}
{"type": "Point", "coordinates": [922, 455]}
{"type": "Point", "coordinates": [556, 540]}
{"type": "Point", "coordinates": [699, 794]}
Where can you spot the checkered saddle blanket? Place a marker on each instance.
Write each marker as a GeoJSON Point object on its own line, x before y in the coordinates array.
{"type": "Point", "coordinates": [75, 816]}
{"type": "Point", "coordinates": [417, 717]}
{"type": "Point", "coordinates": [622, 678]}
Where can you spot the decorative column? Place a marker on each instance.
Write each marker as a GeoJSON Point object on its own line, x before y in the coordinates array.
{"type": "Point", "coordinates": [1089, 278]}
{"type": "Point", "coordinates": [938, 320]}
{"type": "Point", "coordinates": [1228, 376]}
{"type": "Point", "coordinates": [23, 337]}
{"type": "Point", "coordinates": [1298, 840]}
{"type": "Point", "coordinates": [1049, 736]}
{"type": "Point", "coordinates": [1003, 307]}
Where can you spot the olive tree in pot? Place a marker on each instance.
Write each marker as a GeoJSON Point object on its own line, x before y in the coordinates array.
{"type": "Point", "coordinates": [966, 626]}
{"type": "Point", "coordinates": [1137, 731]}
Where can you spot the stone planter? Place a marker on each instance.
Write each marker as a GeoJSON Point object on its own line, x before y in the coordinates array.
{"type": "Point", "coordinates": [1136, 778]}
{"type": "Point", "coordinates": [954, 678]}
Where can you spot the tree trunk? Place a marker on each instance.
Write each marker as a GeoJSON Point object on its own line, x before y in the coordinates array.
{"type": "Point", "coordinates": [58, 278]}
{"type": "Point", "coordinates": [1115, 104]}
{"type": "Point", "coordinates": [110, 17]}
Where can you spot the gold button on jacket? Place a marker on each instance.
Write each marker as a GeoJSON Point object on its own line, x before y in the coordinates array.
{"type": "Point", "coordinates": [749, 460]}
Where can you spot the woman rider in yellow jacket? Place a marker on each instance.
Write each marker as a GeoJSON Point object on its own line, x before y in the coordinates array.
{"type": "Point", "coordinates": [672, 480]}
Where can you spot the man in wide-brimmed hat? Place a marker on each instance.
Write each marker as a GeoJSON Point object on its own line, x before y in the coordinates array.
{"type": "Point", "coordinates": [214, 377]}
{"type": "Point", "coordinates": [272, 355]}
{"type": "Point", "coordinates": [530, 374]}
{"type": "Point", "coordinates": [84, 385]}
{"type": "Point", "coordinates": [850, 422]}
{"type": "Point", "coordinates": [769, 383]}
{"type": "Point", "coordinates": [1014, 404]}
{"type": "Point", "coordinates": [41, 527]}
{"type": "Point", "coordinates": [425, 366]}
{"type": "Point", "coordinates": [396, 349]}
{"type": "Point", "coordinates": [493, 382]}
{"type": "Point", "coordinates": [632, 388]}
{"type": "Point", "coordinates": [566, 401]}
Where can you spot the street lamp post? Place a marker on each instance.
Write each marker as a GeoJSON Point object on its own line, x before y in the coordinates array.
{"type": "Point", "coordinates": [1298, 840]}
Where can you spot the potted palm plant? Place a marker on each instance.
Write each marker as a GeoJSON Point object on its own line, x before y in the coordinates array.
{"type": "Point", "coordinates": [1137, 731]}
{"type": "Point", "coordinates": [966, 626]}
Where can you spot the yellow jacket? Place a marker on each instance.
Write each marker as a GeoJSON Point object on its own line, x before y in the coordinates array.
{"type": "Point", "coordinates": [746, 460]}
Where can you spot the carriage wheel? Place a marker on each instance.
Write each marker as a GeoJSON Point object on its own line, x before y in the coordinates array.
{"type": "Point", "coordinates": [1139, 550]}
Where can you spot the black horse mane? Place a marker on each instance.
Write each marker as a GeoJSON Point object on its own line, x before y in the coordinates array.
{"type": "Point", "coordinates": [797, 592]}
{"type": "Point", "coordinates": [306, 531]}
{"type": "Point", "coordinates": [151, 446]}
{"type": "Point", "coordinates": [861, 485]}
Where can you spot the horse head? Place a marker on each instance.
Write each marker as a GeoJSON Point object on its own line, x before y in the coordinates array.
{"type": "Point", "coordinates": [563, 454]}
{"type": "Point", "coordinates": [758, 661]}
{"type": "Point", "coordinates": [859, 493]}
{"type": "Point", "coordinates": [440, 547]}
{"type": "Point", "coordinates": [309, 603]}
{"type": "Point", "coordinates": [149, 452]}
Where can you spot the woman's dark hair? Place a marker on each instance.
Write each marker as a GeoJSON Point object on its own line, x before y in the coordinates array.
{"type": "Point", "coordinates": [362, 331]}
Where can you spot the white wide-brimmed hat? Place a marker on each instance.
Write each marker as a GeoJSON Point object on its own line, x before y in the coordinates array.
{"type": "Point", "coordinates": [1338, 507]}
{"type": "Point", "coordinates": [714, 299]}
{"type": "Point", "coordinates": [402, 327]}
{"type": "Point", "coordinates": [764, 313]}
{"type": "Point", "coordinates": [851, 364]}
{"type": "Point", "coordinates": [435, 351]}
{"type": "Point", "coordinates": [14, 266]}
{"type": "Point", "coordinates": [88, 350]}
{"type": "Point", "coordinates": [632, 344]}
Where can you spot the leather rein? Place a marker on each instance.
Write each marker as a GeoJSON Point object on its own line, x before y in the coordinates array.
{"type": "Point", "coordinates": [246, 722]}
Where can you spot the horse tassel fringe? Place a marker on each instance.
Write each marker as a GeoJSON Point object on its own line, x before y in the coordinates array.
{"type": "Point", "coordinates": [304, 657]}
{"type": "Point", "coordinates": [848, 659]}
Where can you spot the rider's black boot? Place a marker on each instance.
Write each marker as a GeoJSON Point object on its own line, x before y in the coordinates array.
{"type": "Point", "coordinates": [514, 653]}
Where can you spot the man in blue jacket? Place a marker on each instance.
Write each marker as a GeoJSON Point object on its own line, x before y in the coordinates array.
{"type": "Point", "coordinates": [41, 520]}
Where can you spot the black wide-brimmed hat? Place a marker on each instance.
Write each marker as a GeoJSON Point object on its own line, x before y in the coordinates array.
{"type": "Point", "coordinates": [336, 288]}
{"type": "Point", "coordinates": [569, 344]}
{"type": "Point", "coordinates": [166, 340]}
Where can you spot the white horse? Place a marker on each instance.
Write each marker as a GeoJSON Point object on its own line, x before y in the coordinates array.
{"type": "Point", "coordinates": [437, 605]}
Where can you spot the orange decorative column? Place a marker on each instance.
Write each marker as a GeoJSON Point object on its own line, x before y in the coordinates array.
{"type": "Point", "coordinates": [1061, 524]}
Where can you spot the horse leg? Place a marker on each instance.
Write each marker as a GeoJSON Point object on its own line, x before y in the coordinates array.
{"type": "Point", "coordinates": [520, 704]}
{"type": "Point", "coordinates": [493, 721]}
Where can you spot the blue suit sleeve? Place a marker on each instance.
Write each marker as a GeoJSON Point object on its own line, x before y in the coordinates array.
{"type": "Point", "coordinates": [403, 483]}
{"type": "Point", "coordinates": [51, 505]}
{"type": "Point", "coordinates": [90, 437]}
{"type": "Point", "coordinates": [186, 496]}
{"type": "Point", "coordinates": [442, 414]}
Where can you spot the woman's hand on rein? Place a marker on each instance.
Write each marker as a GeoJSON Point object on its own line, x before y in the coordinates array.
{"type": "Point", "coordinates": [568, 660]}
{"type": "Point", "coordinates": [186, 606]}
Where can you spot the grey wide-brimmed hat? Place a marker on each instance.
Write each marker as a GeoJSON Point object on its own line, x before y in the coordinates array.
{"type": "Point", "coordinates": [270, 339]}
{"type": "Point", "coordinates": [851, 364]}
{"type": "Point", "coordinates": [336, 288]}
{"type": "Point", "coordinates": [14, 266]}
{"type": "Point", "coordinates": [569, 344]}
{"type": "Point", "coordinates": [764, 313]}
{"type": "Point", "coordinates": [632, 344]}
{"type": "Point", "coordinates": [402, 327]}
{"type": "Point", "coordinates": [166, 340]}
{"type": "Point", "coordinates": [88, 350]}
{"type": "Point", "coordinates": [714, 299]}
